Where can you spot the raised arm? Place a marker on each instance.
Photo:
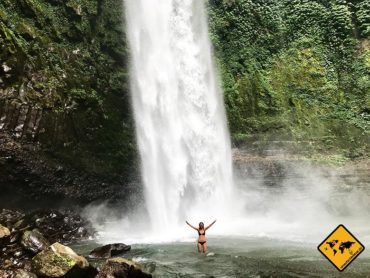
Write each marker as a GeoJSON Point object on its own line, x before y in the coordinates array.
{"type": "Point", "coordinates": [210, 225]}
{"type": "Point", "coordinates": [191, 225]}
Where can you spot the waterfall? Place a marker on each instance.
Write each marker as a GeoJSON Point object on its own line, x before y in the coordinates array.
{"type": "Point", "coordinates": [180, 119]}
{"type": "Point", "coordinates": [185, 149]}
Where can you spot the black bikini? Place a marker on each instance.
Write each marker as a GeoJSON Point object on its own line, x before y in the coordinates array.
{"type": "Point", "coordinates": [204, 233]}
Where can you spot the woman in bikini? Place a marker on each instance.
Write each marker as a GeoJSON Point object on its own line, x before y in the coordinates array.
{"type": "Point", "coordinates": [202, 242]}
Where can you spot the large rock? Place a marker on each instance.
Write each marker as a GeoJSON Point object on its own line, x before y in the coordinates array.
{"type": "Point", "coordinates": [31, 233]}
{"type": "Point", "coordinates": [18, 273]}
{"type": "Point", "coordinates": [58, 261]}
{"type": "Point", "coordinates": [109, 250]}
{"type": "Point", "coordinates": [122, 268]}
{"type": "Point", "coordinates": [34, 241]}
{"type": "Point", "coordinates": [4, 231]}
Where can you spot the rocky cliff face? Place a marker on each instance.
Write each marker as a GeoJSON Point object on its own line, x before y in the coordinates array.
{"type": "Point", "coordinates": [20, 119]}
{"type": "Point", "coordinates": [65, 119]}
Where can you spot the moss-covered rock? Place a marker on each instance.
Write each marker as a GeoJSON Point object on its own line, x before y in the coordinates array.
{"type": "Point", "coordinates": [57, 261]}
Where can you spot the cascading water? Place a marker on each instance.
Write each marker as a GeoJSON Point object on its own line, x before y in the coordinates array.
{"type": "Point", "coordinates": [180, 119]}
{"type": "Point", "coordinates": [185, 147]}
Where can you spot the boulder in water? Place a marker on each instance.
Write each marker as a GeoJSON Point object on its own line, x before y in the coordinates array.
{"type": "Point", "coordinates": [59, 260]}
{"type": "Point", "coordinates": [4, 231]}
{"type": "Point", "coordinates": [122, 268]}
{"type": "Point", "coordinates": [109, 250]}
{"type": "Point", "coordinates": [34, 241]}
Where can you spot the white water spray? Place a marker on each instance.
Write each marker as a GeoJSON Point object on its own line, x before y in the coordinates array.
{"type": "Point", "coordinates": [185, 148]}
{"type": "Point", "coordinates": [180, 119]}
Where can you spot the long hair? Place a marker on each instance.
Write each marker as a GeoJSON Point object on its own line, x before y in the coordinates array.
{"type": "Point", "coordinates": [201, 225]}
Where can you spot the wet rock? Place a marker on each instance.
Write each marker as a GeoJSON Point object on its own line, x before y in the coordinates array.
{"type": "Point", "coordinates": [14, 237]}
{"type": "Point", "coordinates": [9, 217]}
{"type": "Point", "coordinates": [25, 128]}
{"type": "Point", "coordinates": [20, 273]}
{"type": "Point", "coordinates": [6, 273]}
{"type": "Point", "coordinates": [7, 264]}
{"type": "Point", "coordinates": [34, 241]}
{"type": "Point", "coordinates": [109, 250]}
{"type": "Point", "coordinates": [122, 268]}
{"type": "Point", "coordinates": [150, 267]}
{"type": "Point", "coordinates": [32, 233]}
{"type": "Point", "coordinates": [17, 273]}
{"type": "Point", "coordinates": [59, 227]}
{"type": "Point", "coordinates": [59, 260]}
{"type": "Point", "coordinates": [19, 224]}
{"type": "Point", "coordinates": [4, 232]}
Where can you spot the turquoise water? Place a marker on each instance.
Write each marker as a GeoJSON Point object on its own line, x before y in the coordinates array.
{"type": "Point", "coordinates": [238, 257]}
{"type": "Point", "coordinates": [299, 211]}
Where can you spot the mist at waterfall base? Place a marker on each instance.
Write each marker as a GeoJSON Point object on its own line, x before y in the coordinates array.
{"type": "Point", "coordinates": [303, 207]}
{"type": "Point", "coordinates": [186, 155]}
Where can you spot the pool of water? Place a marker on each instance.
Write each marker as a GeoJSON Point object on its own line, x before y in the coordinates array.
{"type": "Point", "coordinates": [286, 215]}
{"type": "Point", "coordinates": [237, 257]}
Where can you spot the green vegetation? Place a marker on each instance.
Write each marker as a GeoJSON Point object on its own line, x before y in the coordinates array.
{"type": "Point", "coordinates": [296, 69]}
{"type": "Point", "coordinates": [70, 57]}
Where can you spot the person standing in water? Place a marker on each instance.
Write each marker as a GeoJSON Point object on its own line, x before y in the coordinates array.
{"type": "Point", "coordinates": [202, 242]}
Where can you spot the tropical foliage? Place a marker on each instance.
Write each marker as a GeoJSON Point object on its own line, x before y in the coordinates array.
{"type": "Point", "coordinates": [296, 66]}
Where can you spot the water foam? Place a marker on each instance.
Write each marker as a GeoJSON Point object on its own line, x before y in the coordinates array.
{"type": "Point", "coordinates": [185, 148]}
{"type": "Point", "coordinates": [180, 119]}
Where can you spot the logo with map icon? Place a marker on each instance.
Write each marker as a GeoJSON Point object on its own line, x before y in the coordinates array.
{"type": "Point", "coordinates": [341, 247]}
